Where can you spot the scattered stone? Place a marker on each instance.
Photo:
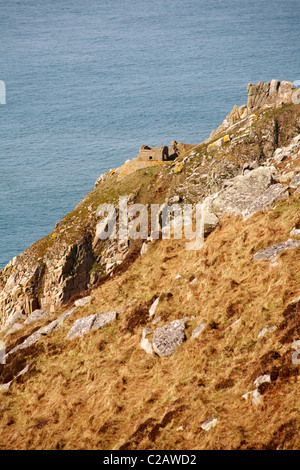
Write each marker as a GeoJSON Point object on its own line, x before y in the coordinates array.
{"type": "Point", "coordinates": [279, 156]}
{"type": "Point", "coordinates": [272, 252]}
{"type": "Point", "coordinates": [5, 387]}
{"type": "Point", "coordinates": [174, 199]}
{"type": "Point", "coordinates": [101, 179]}
{"type": "Point", "coordinates": [92, 322]}
{"type": "Point", "coordinates": [264, 331]}
{"type": "Point", "coordinates": [23, 371]}
{"type": "Point", "coordinates": [37, 315]}
{"type": "Point", "coordinates": [295, 232]}
{"type": "Point", "coordinates": [32, 339]}
{"type": "Point", "coordinates": [275, 193]}
{"type": "Point", "coordinates": [208, 425]}
{"type": "Point", "coordinates": [256, 397]}
{"type": "Point", "coordinates": [81, 326]}
{"type": "Point", "coordinates": [198, 330]}
{"type": "Point", "coordinates": [144, 248]}
{"type": "Point", "coordinates": [167, 338]}
{"type": "Point", "coordinates": [178, 276]}
{"type": "Point", "coordinates": [262, 379]}
{"type": "Point", "coordinates": [104, 319]}
{"type": "Point", "coordinates": [67, 314]}
{"type": "Point", "coordinates": [254, 165]}
{"type": "Point", "coordinates": [247, 395]}
{"type": "Point", "coordinates": [295, 358]}
{"type": "Point", "coordinates": [284, 178]}
{"type": "Point", "coordinates": [83, 301]}
{"type": "Point", "coordinates": [157, 320]}
{"type": "Point", "coordinates": [193, 281]}
{"type": "Point", "coordinates": [153, 307]}
{"type": "Point", "coordinates": [14, 328]}
{"type": "Point", "coordinates": [234, 323]}
{"type": "Point", "coordinates": [145, 343]}
{"type": "Point", "coordinates": [295, 183]}
{"type": "Point", "coordinates": [56, 324]}
{"type": "Point", "coordinates": [296, 344]}
{"type": "Point", "coordinates": [2, 352]}
{"type": "Point", "coordinates": [43, 331]}
{"type": "Point", "coordinates": [13, 318]}
{"type": "Point", "coordinates": [215, 145]}
{"type": "Point", "coordinates": [211, 221]}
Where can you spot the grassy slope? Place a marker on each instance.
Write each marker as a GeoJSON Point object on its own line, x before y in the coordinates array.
{"type": "Point", "coordinates": [104, 392]}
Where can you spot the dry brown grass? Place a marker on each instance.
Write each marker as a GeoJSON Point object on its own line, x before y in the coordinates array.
{"type": "Point", "coordinates": [104, 392]}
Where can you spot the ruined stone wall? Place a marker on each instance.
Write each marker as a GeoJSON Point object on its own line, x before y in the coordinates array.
{"type": "Point", "coordinates": [153, 153]}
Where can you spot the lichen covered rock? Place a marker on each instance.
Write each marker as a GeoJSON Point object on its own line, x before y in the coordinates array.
{"type": "Point", "coordinates": [167, 338]}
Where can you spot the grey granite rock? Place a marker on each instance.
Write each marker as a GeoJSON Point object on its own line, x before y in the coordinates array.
{"type": "Point", "coordinates": [244, 191]}
{"type": "Point", "coordinates": [264, 331]}
{"type": "Point", "coordinates": [2, 352]}
{"type": "Point", "coordinates": [208, 425]}
{"type": "Point", "coordinates": [14, 328]}
{"type": "Point", "coordinates": [37, 315]}
{"type": "Point", "coordinates": [275, 193]}
{"type": "Point", "coordinates": [272, 252]}
{"type": "Point", "coordinates": [145, 343]}
{"type": "Point", "coordinates": [168, 337]}
{"type": "Point", "coordinates": [83, 301]}
{"type": "Point", "coordinates": [295, 357]}
{"type": "Point", "coordinates": [92, 322]}
{"type": "Point", "coordinates": [295, 183]}
{"type": "Point", "coordinates": [198, 330]}
{"type": "Point", "coordinates": [104, 319]}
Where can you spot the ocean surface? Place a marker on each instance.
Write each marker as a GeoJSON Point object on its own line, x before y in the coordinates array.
{"type": "Point", "coordinates": [89, 82]}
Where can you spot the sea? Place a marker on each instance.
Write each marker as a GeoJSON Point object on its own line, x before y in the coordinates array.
{"type": "Point", "coordinates": [88, 82]}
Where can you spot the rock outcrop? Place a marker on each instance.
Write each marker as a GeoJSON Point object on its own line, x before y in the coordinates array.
{"type": "Point", "coordinates": [242, 192]}
{"type": "Point", "coordinates": [51, 272]}
{"type": "Point", "coordinates": [274, 93]}
{"type": "Point", "coordinates": [227, 319]}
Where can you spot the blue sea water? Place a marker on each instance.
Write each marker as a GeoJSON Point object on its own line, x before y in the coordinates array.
{"type": "Point", "coordinates": [88, 82]}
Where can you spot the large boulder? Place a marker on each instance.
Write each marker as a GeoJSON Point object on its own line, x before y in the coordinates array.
{"type": "Point", "coordinates": [272, 252]}
{"type": "Point", "coordinates": [83, 301]}
{"type": "Point", "coordinates": [167, 338]}
{"type": "Point", "coordinates": [275, 193]}
{"type": "Point", "coordinates": [37, 315]}
{"type": "Point", "coordinates": [92, 322]}
{"type": "Point", "coordinates": [242, 192]}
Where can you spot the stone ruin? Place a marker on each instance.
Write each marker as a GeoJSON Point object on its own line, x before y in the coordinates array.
{"type": "Point", "coordinates": [163, 153]}
{"type": "Point", "coordinates": [159, 154]}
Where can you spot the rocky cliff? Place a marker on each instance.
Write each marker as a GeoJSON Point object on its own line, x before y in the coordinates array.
{"type": "Point", "coordinates": [174, 344]}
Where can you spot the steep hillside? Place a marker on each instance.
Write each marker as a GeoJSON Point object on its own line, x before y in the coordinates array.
{"type": "Point", "coordinates": [149, 345]}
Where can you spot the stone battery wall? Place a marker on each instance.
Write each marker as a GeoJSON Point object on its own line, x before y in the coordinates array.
{"type": "Point", "coordinates": [153, 153]}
